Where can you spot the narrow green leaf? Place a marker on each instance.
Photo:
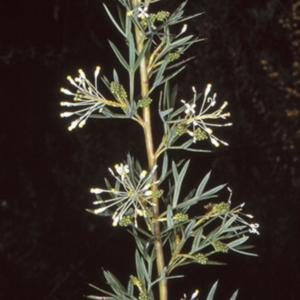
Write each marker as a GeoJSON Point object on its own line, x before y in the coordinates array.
{"type": "Point", "coordinates": [119, 55]}
{"type": "Point", "coordinates": [130, 288]}
{"type": "Point", "coordinates": [170, 222]}
{"type": "Point", "coordinates": [233, 297]}
{"type": "Point", "coordinates": [202, 185]}
{"type": "Point", "coordinates": [172, 75]}
{"type": "Point", "coordinates": [213, 191]}
{"type": "Point", "coordinates": [212, 292]}
{"type": "Point", "coordinates": [238, 242]}
{"type": "Point", "coordinates": [115, 76]}
{"type": "Point", "coordinates": [139, 268]}
{"type": "Point", "coordinates": [131, 51]}
{"type": "Point", "coordinates": [197, 240]}
{"type": "Point", "coordinates": [114, 21]}
{"type": "Point", "coordinates": [178, 178]}
{"type": "Point", "coordinates": [114, 283]}
{"type": "Point", "coordinates": [188, 229]}
{"type": "Point", "coordinates": [243, 252]}
{"type": "Point", "coordinates": [141, 55]}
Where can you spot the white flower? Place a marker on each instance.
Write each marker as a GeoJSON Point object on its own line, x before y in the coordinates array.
{"type": "Point", "coordinates": [195, 294]}
{"type": "Point", "coordinates": [190, 109]}
{"type": "Point", "coordinates": [143, 12]}
{"type": "Point", "coordinates": [200, 126]}
{"type": "Point", "coordinates": [237, 210]}
{"type": "Point", "coordinates": [253, 228]}
{"type": "Point", "coordinates": [132, 193]}
{"type": "Point", "coordinates": [87, 96]}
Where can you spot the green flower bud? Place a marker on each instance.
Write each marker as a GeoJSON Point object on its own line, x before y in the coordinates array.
{"type": "Point", "coordinates": [201, 258]}
{"type": "Point", "coordinates": [180, 217]}
{"type": "Point", "coordinates": [162, 15]}
{"type": "Point", "coordinates": [200, 134]}
{"type": "Point", "coordinates": [143, 296]}
{"type": "Point", "coordinates": [118, 90]}
{"type": "Point", "coordinates": [173, 56]}
{"type": "Point", "coordinates": [220, 247]}
{"type": "Point", "coordinates": [125, 221]}
{"type": "Point", "coordinates": [144, 102]}
{"type": "Point", "coordinates": [181, 129]}
{"type": "Point", "coordinates": [148, 212]}
{"type": "Point", "coordinates": [220, 208]}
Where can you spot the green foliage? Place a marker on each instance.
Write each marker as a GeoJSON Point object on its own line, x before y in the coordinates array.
{"type": "Point", "coordinates": [170, 229]}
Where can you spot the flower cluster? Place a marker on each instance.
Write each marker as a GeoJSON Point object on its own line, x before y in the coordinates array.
{"type": "Point", "coordinates": [221, 208]}
{"type": "Point", "coordinates": [201, 129]}
{"type": "Point", "coordinates": [132, 194]}
{"type": "Point", "coordinates": [87, 96]}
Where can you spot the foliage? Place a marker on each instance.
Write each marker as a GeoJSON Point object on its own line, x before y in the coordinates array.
{"type": "Point", "coordinates": [167, 231]}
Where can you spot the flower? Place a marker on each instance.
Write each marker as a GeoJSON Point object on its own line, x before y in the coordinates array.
{"type": "Point", "coordinates": [132, 193]}
{"type": "Point", "coordinates": [200, 127]}
{"type": "Point", "coordinates": [143, 12]}
{"type": "Point", "coordinates": [88, 96]}
{"type": "Point", "coordinates": [224, 211]}
{"type": "Point", "coordinates": [142, 9]}
{"type": "Point", "coordinates": [237, 210]}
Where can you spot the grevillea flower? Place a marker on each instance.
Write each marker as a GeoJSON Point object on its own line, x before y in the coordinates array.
{"type": "Point", "coordinates": [87, 98]}
{"type": "Point", "coordinates": [200, 123]}
{"type": "Point", "coordinates": [132, 193]}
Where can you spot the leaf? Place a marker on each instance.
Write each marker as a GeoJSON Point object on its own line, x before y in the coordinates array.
{"type": "Point", "coordinates": [114, 21]}
{"type": "Point", "coordinates": [115, 76]}
{"type": "Point", "coordinates": [238, 242]}
{"type": "Point", "coordinates": [114, 283]}
{"type": "Point", "coordinates": [119, 55]}
{"type": "Point", "coordinates": [141, 55]}
{"type": "Point", "coordinates": [131, 51]}
{"type": "Point", "coordinates": [197, 240]}
{"type": "Point", "coordinates": [172, 75]}
{"type": "Point", "coordinates": [212, 292]}
{"type": "Point", "coordinates": [188, 229]}
{"type": "Point", "coordinates": [202, 184]}
{"type": "Point", "coordinates": [170, 222]}
{"type": "Point", "coordinates": [139, 268]}
{"type": "Point", "coordinates": [233, 297]}
{"type": "Point", "coordinates": [212, 192]}
{"type": "Point", "coordinates": [178, 178]}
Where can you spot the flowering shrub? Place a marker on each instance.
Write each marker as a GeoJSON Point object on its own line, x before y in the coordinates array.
{"type": "Point", "coordinates": [135, 199]}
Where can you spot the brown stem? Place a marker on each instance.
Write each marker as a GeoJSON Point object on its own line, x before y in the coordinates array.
{"type": "Point", "coordinates": [140, 38]}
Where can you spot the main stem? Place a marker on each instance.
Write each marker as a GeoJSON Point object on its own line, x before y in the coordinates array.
{"type": "Point", "coordinates": [140, 38]}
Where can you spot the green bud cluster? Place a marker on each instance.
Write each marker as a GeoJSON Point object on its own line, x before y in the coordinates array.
{"type": "Point", "coordinates": [125, 221]}
{"type": "Point", "coordinates": [181, 129]}
{"type": "Point", "coordinates": [173, 56]}
{"type": "Point", "coordinates": [200, 134]}
{"type": "Point", "coordinates": [144, 102]}
{"type": "Point", "coordinates": [151, 19]}
{"type": "Point", "coordinates": [201, 258]}
{"type": "Point", "coordinates": [180, 217]}
{"type": "Point", "coordinates": [148, 212]}
{"type": "Point", "coordinates": [220, 247]}
{"type": "Point", "coordinates": [158, 193]}
{"type": "Point", "coordinates": [159, 16]}
{"type": "Point", "coordinates": [162, 15]}
{"type": "Point", "coordinates": [143, 296]}
{"type": "Point", "coordinates": [220, 208]}
{"type": "Point", "coordinates": [135, 281]}
{"type": "Point", "coordinates": [118, 90]}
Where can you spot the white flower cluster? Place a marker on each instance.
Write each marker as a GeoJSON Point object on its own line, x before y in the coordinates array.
{"type": "Point", "coordinates": [199, 121]}
{"type": "Point", "coordinates": [252, 226]}
{"type": "Point", "coordinates": [132, 194]}
{"type": "Point", "coordinates": [87, 96]}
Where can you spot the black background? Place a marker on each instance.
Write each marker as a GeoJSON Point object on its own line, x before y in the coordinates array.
{"type": "Point", "coordinates": [50, 248]}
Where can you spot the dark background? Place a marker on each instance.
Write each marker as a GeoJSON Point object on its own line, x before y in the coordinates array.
{"type": "Point", "coordinates": [50, 247]}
